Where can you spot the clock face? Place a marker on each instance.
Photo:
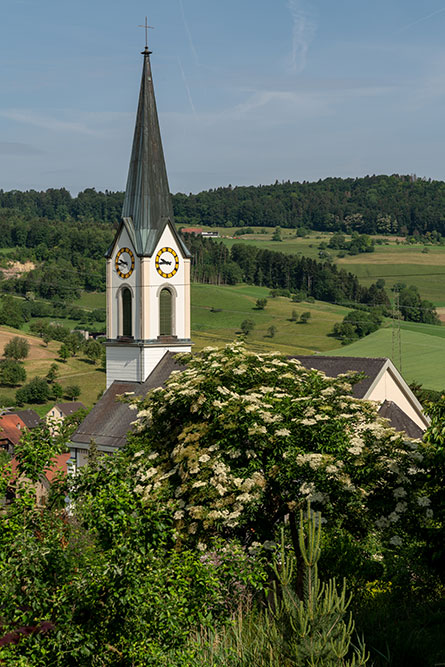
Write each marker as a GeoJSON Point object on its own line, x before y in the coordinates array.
{"type": "Point", "coordinates": [124, 263]}
{"type": "Point", "coordinates": [167, 262]}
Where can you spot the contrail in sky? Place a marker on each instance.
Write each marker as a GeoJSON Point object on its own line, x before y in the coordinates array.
{"type": "Point", "coordinates": [189, 34]}
{"type": "Point", "coordinates": [423, 18]}
{"type": "Point", "coordinates": [187, 87]}
{"type": "Point", "coordinates": [303, 30]}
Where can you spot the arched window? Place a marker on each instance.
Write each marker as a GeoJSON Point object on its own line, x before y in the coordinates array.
{"type": "Point", "coordinates": [165, 313]}
{"type": "Point", "coordinates": [127, 329]}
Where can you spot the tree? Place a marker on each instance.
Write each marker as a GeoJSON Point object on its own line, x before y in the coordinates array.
{"type": "Point", "coordinates": [305, 317]}
{"type": "Point", "coordinates": [74, 342]}
{"type": "Point", "coordinates": [11, 372]}
{"type": "Point", "coordinates": [93, 350]}
{"type": "Point", "coordinates": [56, 390]}
{"type": "Point", "coordinates": [247, 326]}
{"type": "Point", "coordinates": [36, 391]}
{"type": "Point", "coordinates": [261, 304]}
{"type": "Point", "coordinates": [271, 331]}
{"type": "Point", "coordinates": [72, 392]}
{"type": "Point", "coordinates": [294, 316]}
{"type": "Point", "coordinates": [277, 234]}
{"type": "Point", "coordinates": [11, 312]}
{"type": "Point", "coordinates": [414, 308]}
{"type": "Point", "coordinates": [52, 374]}
{"type": "Point", "coordinates": [17, 348]}
{"type": "Point", "coordinates": [64, 352]}
{"type": "Point", "coordinates": [253, 436]}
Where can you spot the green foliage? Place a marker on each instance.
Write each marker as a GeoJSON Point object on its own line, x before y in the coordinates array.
{"type": "Point", "coordinates": [36, 391]}
{"type": "Point", "coordinates": [64, 352]}
{"type": "Point", "coordinates": [313, 630]}
{"type": "Point", "coordinates": [17, 348]}
{"type": "Point", "coordinates": [271, 331]}
{"type": "Point", "coordinates": [415, 309]}
{"type": "Point", "coordinates": [37, 448]}
{"type": "Point", "coordinates": [261, 304]}
{"type": "Point", "coordinates": [247, 326]}
{"type": "Point", "coordinates": [12, 372]}
{"type": "Point", "coordinates": [53, 373]}
{"type": "Point", "coordinates": [305, 317]}
{"type": "Point", "coordinates": [235, 416]}
{"type": "Point", "coordinates": [93, 350]}
{"type": "Point", "coordinates": [72, 392]}
{"type": "Point", "coordinates": [356, 324]}
{"type": "Point", "coordinates": [277, 234]}
{"type": "Point", "coordinates": [11, 312]}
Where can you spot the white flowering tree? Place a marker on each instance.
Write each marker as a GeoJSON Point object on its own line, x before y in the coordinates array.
{"type": "Point", "coordinates": [239, 441]}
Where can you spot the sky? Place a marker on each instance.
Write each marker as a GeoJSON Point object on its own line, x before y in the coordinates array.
{"type": "Point", "coordinates": [248, 91]}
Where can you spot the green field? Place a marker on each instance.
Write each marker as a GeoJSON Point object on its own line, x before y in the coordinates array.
{"type": "Point", "coordinates": [393, 261]}
{"type": "Point", "coordinates": [423, 352]}
{"type": "Point", "coordinates": [76, 370]}
{"type": "Point", "coordinates": [237, 303]}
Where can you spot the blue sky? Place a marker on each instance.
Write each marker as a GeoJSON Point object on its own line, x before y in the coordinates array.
{"type": "Point", "coordinates": [248, 91]}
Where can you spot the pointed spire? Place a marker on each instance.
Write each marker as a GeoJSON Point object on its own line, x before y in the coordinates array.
{"type": "Point", "coordinates": [147, 197]}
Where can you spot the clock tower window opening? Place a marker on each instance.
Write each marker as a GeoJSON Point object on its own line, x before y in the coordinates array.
{"type": "Point", "coordinates": [127, 328]}
{"type": "Point", "coordinates": [165, 312]}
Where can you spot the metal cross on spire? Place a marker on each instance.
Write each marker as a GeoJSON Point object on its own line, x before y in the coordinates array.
{"type": "Point", "coordinates": [146, 26]}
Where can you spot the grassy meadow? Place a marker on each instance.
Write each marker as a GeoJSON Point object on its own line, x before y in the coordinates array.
{"type": "Point", "coordinates": [393, 261]}
{"type": "Point", "coordinates": [76, 370]}
{"type": "Point", "coordinates": [423, 352]}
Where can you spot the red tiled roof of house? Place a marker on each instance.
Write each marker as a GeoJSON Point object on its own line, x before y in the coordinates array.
{"type": "Point", "coordinates": [191, 230]}
{"type": "Point", "coordinates": [11, 428]}
{"type": "Point", "coordinates": [59, 463]}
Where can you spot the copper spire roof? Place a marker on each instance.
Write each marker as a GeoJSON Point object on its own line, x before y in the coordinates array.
{"type": "Point", "coordinates": [147, 205]}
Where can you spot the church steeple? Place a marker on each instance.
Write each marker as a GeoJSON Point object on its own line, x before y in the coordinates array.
{"type": "Point", "coordinates": [148, 264]}
{"type": "Point", "coordinates": [147, 196]}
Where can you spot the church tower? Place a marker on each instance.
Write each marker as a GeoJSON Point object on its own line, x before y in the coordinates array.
{"type": "Point", "coordinates": [148, 265]}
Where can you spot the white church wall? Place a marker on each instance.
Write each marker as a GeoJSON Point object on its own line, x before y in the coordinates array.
{"type": "Point", "coordinates": [123, 363]}
{"type": "Point", "coordinates": [180, 283]}
{"type": "Point", "coordinates": [117, 283]}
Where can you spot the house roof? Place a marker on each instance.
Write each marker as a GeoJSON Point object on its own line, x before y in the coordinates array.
{"type": "Point", "coordinates": [68, 409]}
{"type": "Point", "coordinates": [30, 417]}
{"type": "Point", "coordinates": [11, 428]}
{"type": "Point", "coordinates": [333, 366]}
{"type": "Point", "coordinates": [399, 420]}
{"type": "Point", "coordinates": [110, 420]}
{"type": "Point", "coordinates": [58, 463]}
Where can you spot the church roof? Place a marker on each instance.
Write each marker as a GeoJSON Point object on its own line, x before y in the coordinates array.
{"type": "Point", "coordinates": [109, 421]}
{"type": "Point", "coordinates": [147, 205]}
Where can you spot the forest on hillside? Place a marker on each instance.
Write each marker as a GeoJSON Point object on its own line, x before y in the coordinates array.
{"type": "Point", "coordinates": [396, 204]}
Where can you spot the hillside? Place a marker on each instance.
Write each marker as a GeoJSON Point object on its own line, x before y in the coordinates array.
{"type": "Point", "coordinates": [75, 371]}
{"type": "Point", "coordinates": [423, 352]}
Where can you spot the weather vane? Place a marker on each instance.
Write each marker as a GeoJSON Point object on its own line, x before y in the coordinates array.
{"type": "Point", "coordinates": [146, 26]}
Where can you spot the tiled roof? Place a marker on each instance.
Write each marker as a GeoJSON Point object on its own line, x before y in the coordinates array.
{"type": "Point", "coordinates": [68, 409]}
{"type": "Point", "coordinates": [30, 417]}
{"type": "Point", "coordinates": [400, 420]}
{"type": "Point", "coordinates": [110, 420]}
{"type": "Point", "coordinates": [333, 366]}
{"type": "Point", "coordinates": [11, 428]}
